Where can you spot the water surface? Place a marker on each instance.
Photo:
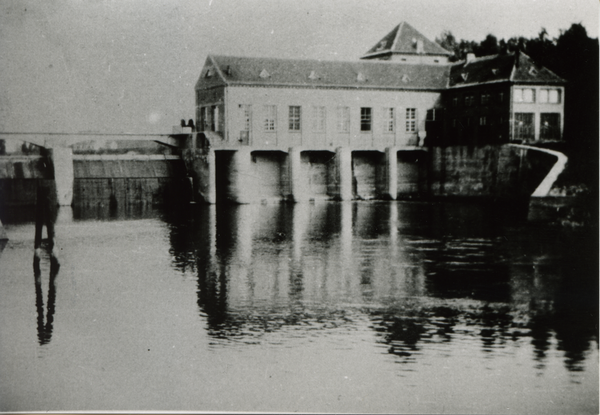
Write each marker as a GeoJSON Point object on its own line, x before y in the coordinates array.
{"type": "Point", "coordinates": [331, 307]}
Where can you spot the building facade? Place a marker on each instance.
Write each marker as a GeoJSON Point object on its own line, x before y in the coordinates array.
{"type": "Point", "coordinates": [403, 92]}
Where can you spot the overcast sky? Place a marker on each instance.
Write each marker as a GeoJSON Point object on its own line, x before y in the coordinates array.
{"type": "Point", "coordinates": [130, 65]}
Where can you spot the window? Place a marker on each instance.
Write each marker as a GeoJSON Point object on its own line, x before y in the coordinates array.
{"type": "Point", "coordinates": [270, 120]}
{"type": "Point", "coordinates": [411, 120]}
{"type": "Point", "coordinates": [524, 128]}
{"type": "Point", "coordinates": [433, 115]}
{"type": "Point", "coordinates": [551, 96]}
{"type": "Point", "coordinates": [214, 110]}
{"type": "Point", "coordinates": [550, 126]}
{"type": "Point", "coordinates": [501, 97]}
{"type": "Point", "coordinates": [483, 120]}
{"type": "Point", "coordinates": [365, 119]}
{"type": "Point", "coordinates": [485, 99]}
{"type": "Point", "coordinates": [246, 123]}
{"type": "Point", "coordinates": [524, 95]}
{"type": "Point", "coordinates": [469, 100]}
{"type": "Point", "coordinates": [294, 119]}
{"type": "Point", "coordinates": [455, 102]}
{"type": "Point", "coordinates": [343, 119]}
{"type": "Point", "coordinates": [388, 120]}
{"type": "Point", "coordinates": [319, 120]}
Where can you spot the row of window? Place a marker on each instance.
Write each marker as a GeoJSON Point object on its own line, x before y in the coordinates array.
{"type": "Point", "coordinates": [524, 95]}
{"type": "Point", "coordinates": [482, 121]}
{"type": "Point", "coordinates": [209, 118]}
{"type": "Point", "coordinates": [318, 119]}
{"type": "Point", "coordinates": [524, 124]}
{"type": "Point", "coordinates": [528, 95]}
{"type": "Point", "coordinates": [525, 128]}
{"type": "Point", "coordinates": [485, 98]}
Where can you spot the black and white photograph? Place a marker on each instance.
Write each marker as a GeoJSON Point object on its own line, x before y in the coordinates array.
{"type": "Point", "coordinates": [272, 206]}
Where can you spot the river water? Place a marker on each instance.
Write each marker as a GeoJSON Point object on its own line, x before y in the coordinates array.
{"type": "Point", "coordinates": [400, 307]}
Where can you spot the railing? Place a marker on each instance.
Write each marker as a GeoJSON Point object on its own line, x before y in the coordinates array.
{"type": "Point", "coordinates": [544, 187]}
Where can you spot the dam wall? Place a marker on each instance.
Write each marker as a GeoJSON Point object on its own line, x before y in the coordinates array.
{"type": "Point", "coordinates": [125, 179]}
{"type": "Point", "coordinates": [94, 172]}
{"type": "Point", "coordinates": [188, 168]}
{"type": "Point", "coordinates": [500, 172]}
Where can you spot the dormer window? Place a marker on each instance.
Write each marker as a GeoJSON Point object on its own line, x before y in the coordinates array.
{"type": "Point", "coordinates": [381, 45]}
{"type": "Point", "coordinates": [495, 71]}
{"type": "Point", "coordinates": [360, 77]}
{"type": "Point", "coordinates": [228, 70]}
{"type": "Point", "coordinates": [533, 71]}
{"type": "Point", "coordinates": [313, 75]}
{"type": "Point", "coordinates": [464, 76]}
{"type": "Point", "coordinates": [264, 74]}
{"type": "Point", "coordinates": [208, 73]}
{"type": "Point", "coordinates": [405, 78]}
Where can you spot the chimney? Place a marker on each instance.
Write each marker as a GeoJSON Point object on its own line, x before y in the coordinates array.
{"type": "Point", "coordinates": [470, 57]}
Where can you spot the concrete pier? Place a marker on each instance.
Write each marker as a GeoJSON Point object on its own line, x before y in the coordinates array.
{"type": "Point", "coordinates": [62, 160]}
{"type": "Point", "coordinates": [391, 167]}
{"type": "Point", "coordinates": [299, 185]}
{"type": "Point", "coordinates": [343, 168]}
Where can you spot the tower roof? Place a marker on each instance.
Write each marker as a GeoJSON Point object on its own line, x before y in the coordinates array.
{"type": "Point", "coordinates": [405, 39]}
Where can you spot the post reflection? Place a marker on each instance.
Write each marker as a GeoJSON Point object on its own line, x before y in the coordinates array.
{"type": "Point", "coordinates": [421, 274]}
{"type": "Point", "coordinates": [45, 258]}
{"type": "Point", "coordinates": [45, 318]}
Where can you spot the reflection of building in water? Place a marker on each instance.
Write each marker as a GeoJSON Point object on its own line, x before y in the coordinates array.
{"type": "Point", "coordinates": [419, 273]}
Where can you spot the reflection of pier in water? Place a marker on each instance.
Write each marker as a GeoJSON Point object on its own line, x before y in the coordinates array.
{"type": "Point", "coordinates": [415, 273]}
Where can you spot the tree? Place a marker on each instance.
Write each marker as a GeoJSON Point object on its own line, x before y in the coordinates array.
{"type": "Point", "coordinates": [448, 42]}
{"type": "Point", "coordinates": [489, 46]}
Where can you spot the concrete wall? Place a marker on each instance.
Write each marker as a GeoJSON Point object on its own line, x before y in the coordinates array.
{"type": "Point", "coordinates": [489, 171]}
{"type": "Point", "coordinates": [411, 174]}
{"type": "Point", "coordinates": [331, 99]}
{"type": "Point", "coordinates": [317, 168]}
{"type": "Point", "coordinates": [368, 174]}
{"type": "Point", "coordinates": [252, 177]}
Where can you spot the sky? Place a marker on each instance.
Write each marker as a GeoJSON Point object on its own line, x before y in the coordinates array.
{"type": "Point", "coordinates": [130, 66]}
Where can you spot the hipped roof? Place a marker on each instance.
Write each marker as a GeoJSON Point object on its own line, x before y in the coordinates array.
{"type": "Point", "coordinates": [403, 39]}
{"type": "Point", "coordinates": [230, 70]}
{"type": "Point", "coordinates": [515, 67]}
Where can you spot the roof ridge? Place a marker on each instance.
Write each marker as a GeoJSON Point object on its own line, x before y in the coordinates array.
{"type": "Point", "coordinates": [216, 65]}
{"type": "Point", "coordinates": [395, 42]}
{"type": "Point", "coordinates": [354, 62]}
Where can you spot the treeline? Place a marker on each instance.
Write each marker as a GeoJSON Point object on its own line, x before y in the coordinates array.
{"type": "Point", "coordinates": [573, 56]}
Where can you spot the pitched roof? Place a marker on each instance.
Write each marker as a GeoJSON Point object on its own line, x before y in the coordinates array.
{"type": "Point", "coordinates": [515, 67]}
{"type": "Point", "coordinates": [403, 39]}
{"type": "Point", "coordinates": [229, 70]}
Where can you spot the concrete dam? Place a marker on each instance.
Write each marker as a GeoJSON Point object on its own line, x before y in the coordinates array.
{"type": "Point", "coordinates": [189, 167]}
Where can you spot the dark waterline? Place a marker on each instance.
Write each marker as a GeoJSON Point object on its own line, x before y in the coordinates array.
{"type": "Point", "coordinates": [469, 306]}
